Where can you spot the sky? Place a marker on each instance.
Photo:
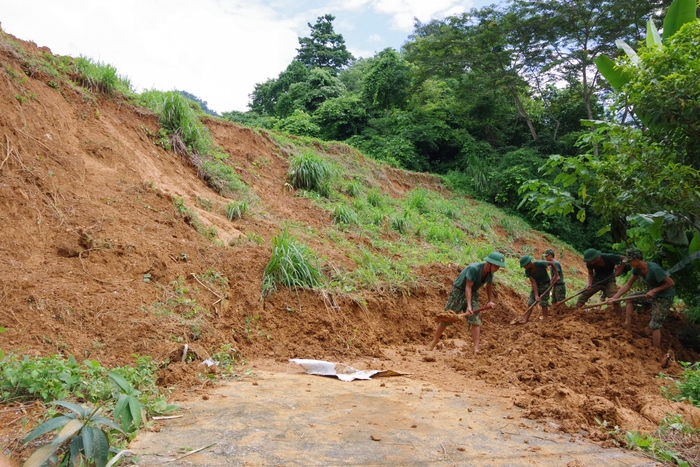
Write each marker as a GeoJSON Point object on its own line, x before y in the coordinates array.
{"type": "Point", "coordinates": [215, 49]}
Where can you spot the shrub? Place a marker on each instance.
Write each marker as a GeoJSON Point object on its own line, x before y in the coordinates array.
{"type": "Point", "coordinates": [687, 388]}
{"type": "Point", "coordinates": [292, 265]}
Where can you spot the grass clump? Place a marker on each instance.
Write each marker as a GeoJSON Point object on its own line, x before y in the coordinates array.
{"type": "Point", "coordinates": [380, 273]}
{"type": "Point", "coordinates": [100, 77]}
{"type": "Point", "coordinates": [236, 209]}
{"type": "Point", "coordinates": [344, 215]}
{"type": "Point", "coordinates": [308, 171]}
{"type": "Point", "coordinates": [292, 265]}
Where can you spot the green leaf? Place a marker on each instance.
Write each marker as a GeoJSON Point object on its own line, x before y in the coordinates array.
{"type": "Point", "coordinates": [75, 445]}
{"type": "Point", "coordinates": [135, 408]}
{"type": "Point", "coordinates": [67, 432]}
{"type": "Point", "coordinates": [120, 381]}
{"type": "Point", "coordinates": [40, 456]}
{"type": "Point", "coordinates": [79, 410]}
{"type": "Point", "coordinates": [106, 422]}
{"type": "Point", "coordinates": [101, 448]}
{"type": "Point", "coordinates": [47, 426]}
{"type": "Point", "coordinates": [653, 37]}
{"type": "Point", "coordinates": [611, 72]}
{"type": "Point", "coordinates": [622, 45]}
{"type": "Point", "coordinates": [678, 13]}
{"type": "Point", "coordinates": [694, 243]}
{"type": "Point", "coordinates": [88, 441]}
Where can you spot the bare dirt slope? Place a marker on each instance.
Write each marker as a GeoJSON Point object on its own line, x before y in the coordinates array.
{"type": "Point", "coordinates": [87, 213]}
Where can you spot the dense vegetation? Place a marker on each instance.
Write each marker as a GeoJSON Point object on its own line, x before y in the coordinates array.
{"type": "Point", "coordinates": [494, 100]}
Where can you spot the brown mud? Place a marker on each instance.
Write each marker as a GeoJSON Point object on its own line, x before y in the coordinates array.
{"type": "Point", "coordinates": [87, 215]}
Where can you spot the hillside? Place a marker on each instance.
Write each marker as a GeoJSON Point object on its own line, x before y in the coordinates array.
{"type": "Point", "coordinates": [99, 260]}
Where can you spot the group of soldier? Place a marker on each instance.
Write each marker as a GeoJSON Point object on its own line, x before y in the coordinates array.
{"type": "Point", "coordinates": [546, 276]}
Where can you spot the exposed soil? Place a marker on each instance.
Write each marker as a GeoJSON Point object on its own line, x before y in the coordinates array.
{"type": "Point", "coordinates": [87, 214]}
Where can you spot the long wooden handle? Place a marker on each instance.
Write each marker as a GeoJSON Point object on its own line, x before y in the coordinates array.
{"type": "Point", "coordinates": [592, 285]}
{"type": "Point", "coordinates": [614, 300]}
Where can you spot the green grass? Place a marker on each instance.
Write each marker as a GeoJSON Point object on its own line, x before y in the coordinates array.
{"type": "Point", "coordinates": [100, 77]}
{"type": "Point", "coordinates": [292, 265]}
{"type": "Point", "coordinates": [236, 209]}
{"type": "Point", "coordinates": [309, 171]}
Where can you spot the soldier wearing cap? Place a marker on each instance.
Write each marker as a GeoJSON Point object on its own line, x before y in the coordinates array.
{"type": "Point", "coordinates": [464, 296]}
{"type": "Point", "coordinates": [559, 289]}
{"type": "Point", "coordinates": [603, 268]}
{"type": "Point", "coordinates": [538, 273]}
{"type": "Point", "coordinates": [658, 297]}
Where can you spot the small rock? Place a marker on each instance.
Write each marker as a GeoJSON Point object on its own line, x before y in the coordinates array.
{"type": "Point", "coordinates": [376, 437]}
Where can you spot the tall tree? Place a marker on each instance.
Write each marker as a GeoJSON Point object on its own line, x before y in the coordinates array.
{"type": "Point", "coordinates": [575, 32]}
{"type": "Point", "coordinates": [386, 80]}
{"type": "Point", "coordinates": [325, 48]}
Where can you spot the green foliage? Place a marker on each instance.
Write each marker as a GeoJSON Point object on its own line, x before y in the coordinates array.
{"type": "Point", "coordinates": [236, 209]}
{"type": "Point", "coordinates": [292, 265]}
{"type": "Point", "coordinates": [308, 171]}
{"type": "Point", "coordinates": [385, 83]}
{"type": "Point", "coordinates": [100, 77]}
{"type": "Point", "coordinates": [376, 272]}
{"type": "Point", "coordinates": [128, 408]}
{"type": "Point", "coordinates": [344, 215]}
{"type": "Point", "coordinates": [655, 447]}
{"type": "Point", "coordinates": [340, 118]}
{"type": "Point", "coordinates": [298, 123]}
{"type": "Point", "coordinates": [325, 48]}
{"type": "Point", "coordinates": [687, 387]}
{"type": "Point", "coordinates": [84, 437]}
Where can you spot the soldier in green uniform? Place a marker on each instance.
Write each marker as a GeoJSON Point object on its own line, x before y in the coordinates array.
{"type": "Point", "coordinates": [658, 297]}
{"type": "Point", "coordinates": [464, 296]}
{"type": "Point", "coordinates": [538, 273]}
{"type": "Point", "coordinates": [559, 289]}
{"type": "Point", "coordinates": [603, 268]}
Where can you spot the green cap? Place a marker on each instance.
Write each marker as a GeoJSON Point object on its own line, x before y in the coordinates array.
{"type": "Point", "coordinates": [496, 258]}
{"type": "Point", "coordinates": [590, 254]}
{"type": "Point", "coordinates": [525, 260]}
{"type": "Point", "coordinates": [549, 251]}
{"type": "Point", "coordinates": [634, 253]}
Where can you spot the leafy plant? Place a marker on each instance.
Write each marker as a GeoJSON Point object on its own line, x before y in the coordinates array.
{"type": "Point", "coordinates": [84, 437]}
{"type": "Point", "coordinates": [292, 265]}
{"type": "Point", "coordinates": [128, 408]}
{"type": "Point", "coordinates": [100, 77]}
{"type": "Point", "coordinates": [687, 387]}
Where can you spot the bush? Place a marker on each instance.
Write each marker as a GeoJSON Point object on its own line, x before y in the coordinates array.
{"type": "Point", "coordinates": [292, 265]}
{"type": "Point", "coordinates": [344, 215]}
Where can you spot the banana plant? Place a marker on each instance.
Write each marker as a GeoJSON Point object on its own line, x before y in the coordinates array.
{"type": "Point", "coordinates": [82, 431]}
{"type": "Point", "coordinates": [679, 13]}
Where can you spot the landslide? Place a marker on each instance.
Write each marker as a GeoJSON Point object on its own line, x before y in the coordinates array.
{"type": "Point", "coordinates": [92, 246]}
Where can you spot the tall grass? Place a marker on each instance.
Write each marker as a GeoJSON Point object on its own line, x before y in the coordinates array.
{"type": "Point", "coordinates": [292, 265]}
{"type": "Point", "coordinates": [308, 171]}
{"type": "Point", "coordinates": [100, 77]}
{"type": "Point", "coordinates": [235, 209]}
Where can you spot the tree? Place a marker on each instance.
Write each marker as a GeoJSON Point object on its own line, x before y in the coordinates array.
{"type": "Point", "coordinates": [386, 80]}
{"type": "Point", "coordinates": [325, 48]}
{"type": "Point", "coordinates": [575, 32]}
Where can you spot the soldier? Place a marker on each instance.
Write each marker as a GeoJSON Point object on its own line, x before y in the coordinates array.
{"type": "Point", "coordinates": [537, 272]}
{"type": "Point", "coordinates": [465, 294]}
{"type": "Point", "coordinates": [658, 297]}
{"type": "Point", "coordinates": [603, 268]}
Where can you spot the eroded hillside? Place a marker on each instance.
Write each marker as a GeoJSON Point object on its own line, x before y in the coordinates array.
{"type": "Point", "coordinates": [99, 261]}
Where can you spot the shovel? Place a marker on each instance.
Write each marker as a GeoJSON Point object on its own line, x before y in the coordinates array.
{"type": "Point", "coordinates": [457, 317]}
{"type": "Point", "coordinates": [533, 305]}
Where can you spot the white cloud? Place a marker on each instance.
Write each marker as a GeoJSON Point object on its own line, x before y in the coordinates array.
{"type": "Point", "coordinates": [374, 38]}
{"type": "Point", "coordinates": [212, 51]}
